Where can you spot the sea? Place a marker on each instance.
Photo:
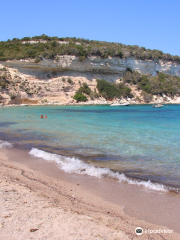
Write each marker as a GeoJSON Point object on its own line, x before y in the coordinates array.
{"type": "Point", "coordinates": [136, 144]}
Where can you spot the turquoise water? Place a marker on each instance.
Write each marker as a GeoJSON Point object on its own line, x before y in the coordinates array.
{"type": "Point", "coordinates": [140, 141]}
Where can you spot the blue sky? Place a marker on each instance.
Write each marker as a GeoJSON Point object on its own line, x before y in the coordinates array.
{"type": "Point", "coordinates": [153, 24]}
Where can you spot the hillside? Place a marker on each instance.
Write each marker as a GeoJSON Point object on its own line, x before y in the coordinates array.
{"type": "Point", "coordinates": [42, 70]}
{"type": "Point", "coordinates": [43, 46]}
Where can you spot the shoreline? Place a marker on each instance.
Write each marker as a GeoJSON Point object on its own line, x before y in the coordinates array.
{"type": "Point", "coordinates": [85, 104]}
{"type": "Point", "coordinates": [72, 196]}
{"type": "Point", "coordinates": [54, 200]}
{"type": "Point", "coordinates": [108, 173]}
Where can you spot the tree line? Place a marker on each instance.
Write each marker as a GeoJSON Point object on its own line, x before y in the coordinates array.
{"type": "Point", "coordinates": [15, 49]}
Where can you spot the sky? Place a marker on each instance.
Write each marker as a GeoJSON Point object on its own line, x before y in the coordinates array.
{"type": "Point", "coordinates": [153, 24]}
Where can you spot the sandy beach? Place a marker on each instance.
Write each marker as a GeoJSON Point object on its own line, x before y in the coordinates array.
{"type": "Point", "coordinates": [36, 206]}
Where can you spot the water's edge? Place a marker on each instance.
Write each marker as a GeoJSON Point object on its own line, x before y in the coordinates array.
{"type": "Point", "coordinates": [82, 167]}
{"type": "Point", "coordinates": [157, 207]}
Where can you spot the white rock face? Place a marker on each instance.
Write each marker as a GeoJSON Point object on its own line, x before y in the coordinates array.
{"type": "Point", "coordinates": [109, 69]}
{"type": "Point", "coordinates": [169, 67]}
{"type": "Point", "coordinates": [142, 66]}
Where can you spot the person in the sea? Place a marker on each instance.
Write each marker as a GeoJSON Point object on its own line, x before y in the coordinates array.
{"type": "Point", "coordinates": [41, 116]}
{"type": "Point", "coordinates": [45, 116]}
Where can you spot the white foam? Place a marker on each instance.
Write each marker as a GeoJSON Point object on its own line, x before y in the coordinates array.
{"type": "Point", "coordinates": [74, 165]}
{"type": "Point", "coordinates": [4, 144]}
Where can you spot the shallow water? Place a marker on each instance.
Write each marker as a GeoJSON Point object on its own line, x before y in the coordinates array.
{"type": "Point", "coordinates": [139, 141]}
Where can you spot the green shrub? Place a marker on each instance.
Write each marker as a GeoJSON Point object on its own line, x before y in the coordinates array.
{"type": "Point", "coordinates": [3, 76]}
{"type": "Point", "coordinates": [107, 90]}
{"type": "Point", "coordinates": [69, 80]}
{"type": "Point", "coordinates": [132, 77]}
{"type": "Point", "coordinates": [94, 95]}
{"type": "Point", "coordinates": [126, 92]}
{"type": "Point", "coordinates": [138, 99]}
{"type": "Point", "coordinates": [31, 53]}
{"type": "Point", "coordinates": [111, 90]}
{"type": "Point", "coordinates": [56, 58]}
{"type": "Point", "coordinates": [120, 54]}
{"type": "Point", "coordinates": [3, 69]}
{"type": "Point", "coordinates": [37, 59]}
{"type": "Point", "coordinates": [84, 89]}
{"type": "Point", "coordinates": [54, 44]}
{"type": "Point", "coordinates": [147, 97]}
{"type": "Point", "coordinates": [82, 58]}
{"type": "Point", "coordinates": [27, 90]}
{"type": "Point", "coordinates": [144, 84]}
{"type": "Point", "coordinates": [3, 83]}
{"type": "Point", "coordinates": [12, 95]}
{"type": "Point", "coordinates": [80, 97]}
{"type": "Point", "coordinates": [129, 70]}
{"type": "Point", "coordinates": [81, 51]}
{"type": "Point", "coordinates": [26, 39]}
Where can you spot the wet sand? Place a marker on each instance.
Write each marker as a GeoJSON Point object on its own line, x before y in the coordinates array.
{"type": "Point", "coordinates": [72, 206]}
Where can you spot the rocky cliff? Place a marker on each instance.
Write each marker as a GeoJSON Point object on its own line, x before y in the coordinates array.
{"type": "Point", "coordinates": [47, 80]}
{"type": "Point", "coordinates": [109, 69]}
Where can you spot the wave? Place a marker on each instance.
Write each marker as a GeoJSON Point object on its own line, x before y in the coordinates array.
{"type": "Point", "coordinates": [74, 165]}
{"type": "Point", "coordinates": [4, 144]}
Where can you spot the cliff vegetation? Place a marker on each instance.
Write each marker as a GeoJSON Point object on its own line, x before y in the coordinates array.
{"type": "Point", "coordinates": [43, 46]}
{"type": "Point", "coordinates": [155, 85]}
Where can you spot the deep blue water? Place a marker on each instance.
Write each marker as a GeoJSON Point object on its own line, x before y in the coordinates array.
{"type": "Point", "coordinates": [138, 140]}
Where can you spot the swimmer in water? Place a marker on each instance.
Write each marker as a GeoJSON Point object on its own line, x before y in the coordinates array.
{"type": "Point", "coordinates": [41, 116]}
{"type": "Point", "coordinates": [45, 116]}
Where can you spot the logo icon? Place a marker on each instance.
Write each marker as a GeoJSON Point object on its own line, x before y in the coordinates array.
{"type": "Point", "coordinates": [139, 231]}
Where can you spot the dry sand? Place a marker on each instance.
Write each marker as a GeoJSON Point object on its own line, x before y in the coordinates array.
{"type": "Point", "coordinates": [36, 206]}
